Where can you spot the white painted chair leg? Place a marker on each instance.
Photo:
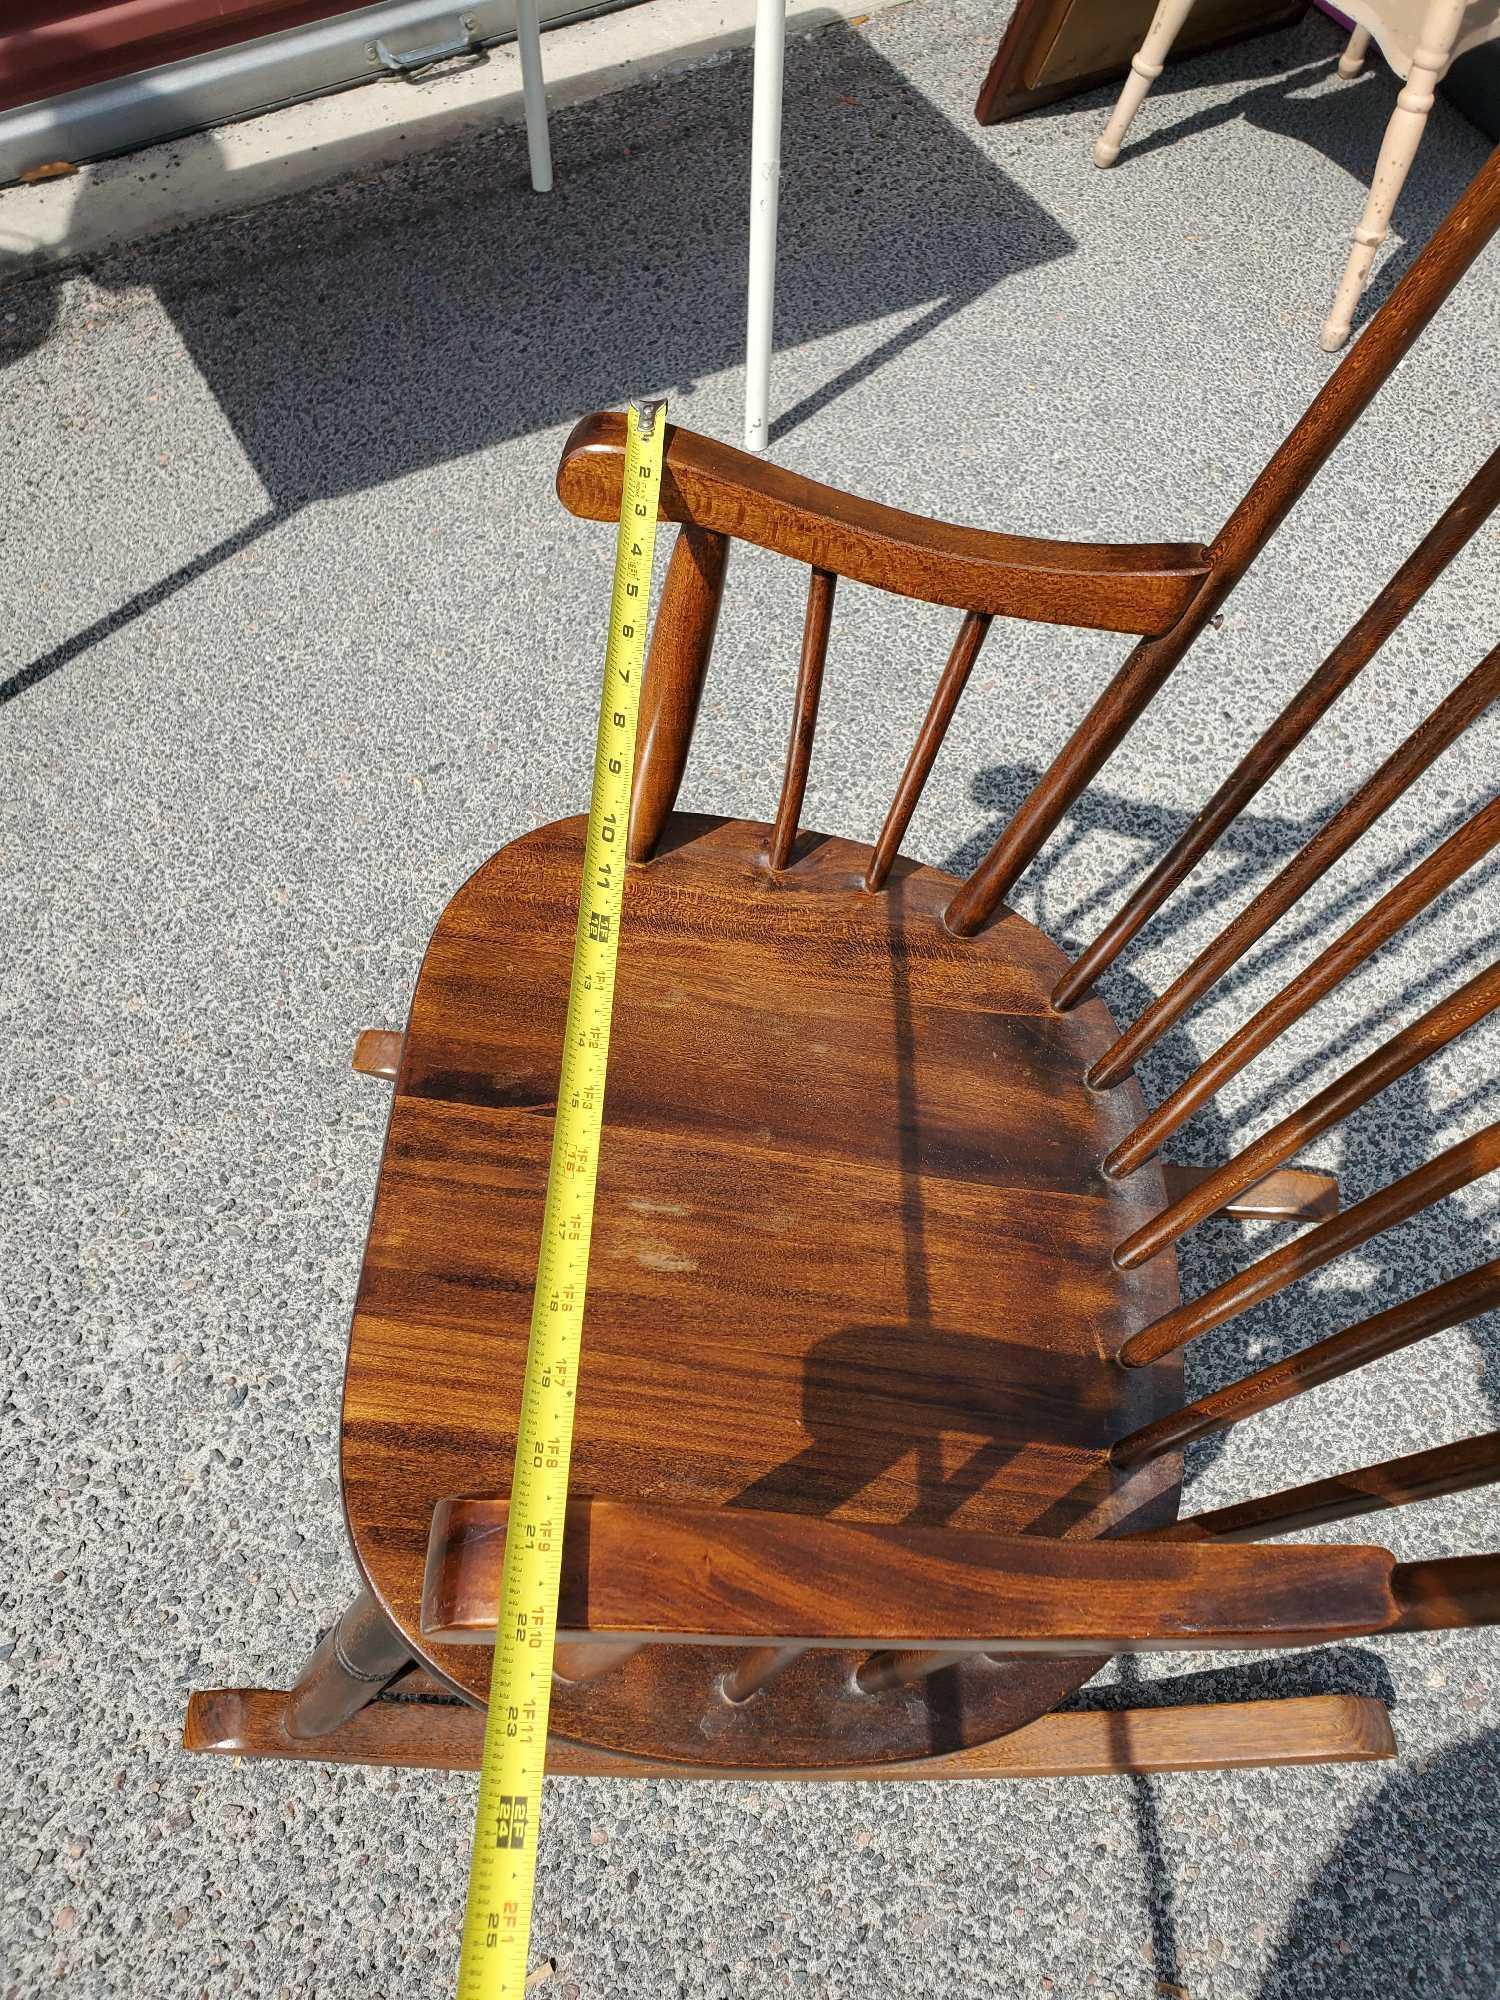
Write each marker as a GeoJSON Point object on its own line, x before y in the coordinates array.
{"type": "Point", "coordinates": [765, 188]}
{"type": "Point", "coordinates": [1440, 26]}
{"type": "Point", "coordinates": [534, 94]}
{"type": "Point", "coordinates": [1352, 61]}
{"type": "Point", "coordinates": [1145, 67]}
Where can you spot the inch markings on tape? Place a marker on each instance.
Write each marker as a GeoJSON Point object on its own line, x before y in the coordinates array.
{"type": "Point", "coordinates": [502, 1868]}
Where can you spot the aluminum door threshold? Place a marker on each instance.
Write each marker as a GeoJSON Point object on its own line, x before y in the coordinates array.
{"type": "Point", "coordinates": [130, 112]}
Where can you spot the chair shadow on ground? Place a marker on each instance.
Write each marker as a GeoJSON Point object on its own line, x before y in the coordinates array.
{"type": "Point", "coordinates": [1365, 1930]}
{"type": "Point", "coordinates": [355, 338]}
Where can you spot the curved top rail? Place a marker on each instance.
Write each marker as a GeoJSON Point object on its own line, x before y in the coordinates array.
{"type": "Point", "coordinates": [1111, 586]}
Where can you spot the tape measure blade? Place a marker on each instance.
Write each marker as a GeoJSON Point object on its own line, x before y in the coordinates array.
{"type": "Point", "coordinates": [502, 1868]}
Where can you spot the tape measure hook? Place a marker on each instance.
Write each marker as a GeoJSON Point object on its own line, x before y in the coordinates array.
{"type": "Point", "coordinates": [647, 412]}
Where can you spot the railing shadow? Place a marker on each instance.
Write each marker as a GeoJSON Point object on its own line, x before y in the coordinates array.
{"type": "Point", "coordinates": [1326, 1670]}
{"type": "Point", "coordinates": [414, 320]}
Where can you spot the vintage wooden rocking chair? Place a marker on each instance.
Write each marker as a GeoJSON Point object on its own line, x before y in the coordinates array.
{"type": "Point", "coordinates": [877, 1180]}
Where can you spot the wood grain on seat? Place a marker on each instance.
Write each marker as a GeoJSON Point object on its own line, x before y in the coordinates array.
{"type": "Point", "coordinates": [851, 1256]}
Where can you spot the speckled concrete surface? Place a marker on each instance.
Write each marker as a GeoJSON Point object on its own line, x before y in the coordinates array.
{"type": "Point", "coordinates": [298, 635]}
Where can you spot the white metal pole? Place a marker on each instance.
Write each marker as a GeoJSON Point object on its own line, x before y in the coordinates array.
{"type": "Point", "coordinates": [534, 94]}
{"type": "Point", "coordinates": [765, 180]}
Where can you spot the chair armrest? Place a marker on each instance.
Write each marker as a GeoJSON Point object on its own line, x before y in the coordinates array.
{"type": "Point", "coordinates": [1114, 587]}
{"type": "Point", "coordinates": [744, 1576]}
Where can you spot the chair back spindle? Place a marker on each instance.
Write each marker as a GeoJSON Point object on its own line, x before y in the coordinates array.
{"type": "Point", "coordinates": [756, 1668]}
{"type": "Point", "coordinates": [1468, 1160]}
{"type": "Point", "coordinates": [1473, 1002]}
{"type": "Point", "coordinates": [1347, 393]}
{"type": "Point", "coordinates": [1447, 722]}
{"type": "Point", "coordinates": [1433, 1311]}
{"type": "Point", "coordinates": [1354, 652]}
{"type": "Point", "coordinates": [889, 1669]}
{"type": "Point", "coordinates": [944, 705]}
{"type": "Point", "coordinates": [819, 619]}
{"type": "Point", "coordinates": [1460, 852]}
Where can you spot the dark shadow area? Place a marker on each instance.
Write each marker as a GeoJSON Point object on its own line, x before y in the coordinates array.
{"type": "Point", "coordinates": [1353, 1670]}
{"type": "Point", "coordinates": [1161, 1891]}
{"type": "Point", "coordinates": [1283, 1676]}
{"type": "Point", "coordinates": [1276, 1676]}
{"type": "Point", "coordinates": [872, 1395]}
{"type": "Point", "coordinates": [1365, 1929]}
{"type": "Point", "coordinates": [353, 337]}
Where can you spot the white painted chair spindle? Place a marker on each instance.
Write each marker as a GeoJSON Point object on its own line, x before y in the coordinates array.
{"type": "Point", "coordinates": [1430, 58]}
{"type": "Point", "coordinates": [1145, 67]}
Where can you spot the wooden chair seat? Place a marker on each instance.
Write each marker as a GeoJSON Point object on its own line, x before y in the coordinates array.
{"type": "Point", "coordinates": [852, 1253]}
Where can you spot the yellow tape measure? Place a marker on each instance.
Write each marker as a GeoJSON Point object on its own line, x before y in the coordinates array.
{"type": "Point", "coordinates": [502, 1868]}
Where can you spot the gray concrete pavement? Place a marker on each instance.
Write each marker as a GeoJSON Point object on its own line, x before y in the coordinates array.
{"type": "Point", "coordinates": [297, 635]}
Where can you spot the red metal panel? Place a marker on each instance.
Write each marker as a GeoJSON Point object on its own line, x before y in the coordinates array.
{"type": "Point", "coordinates": [48, 46]}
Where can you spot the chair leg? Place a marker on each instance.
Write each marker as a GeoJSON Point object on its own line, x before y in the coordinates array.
{"type": "Point", "coordinates": [1352, 61]}
{"type": "Point", "coordinates": [348, 1668]}
{"type": "Point", "coordinates": [1145, 67]}
{"type": "Point", "coordinates": [1440, 26]}
{"type": "Point", "coordinates": [587, 1659]}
